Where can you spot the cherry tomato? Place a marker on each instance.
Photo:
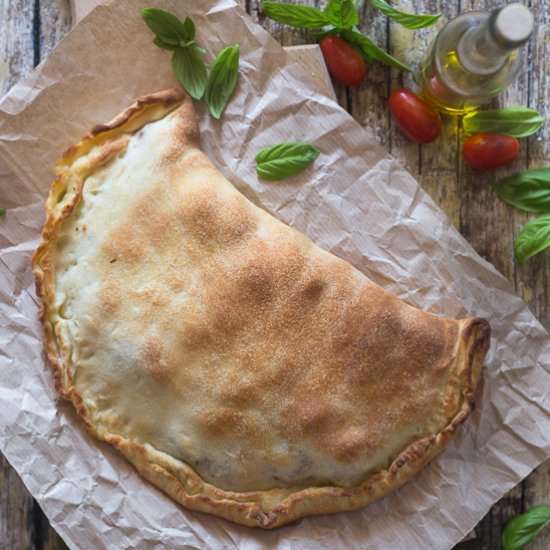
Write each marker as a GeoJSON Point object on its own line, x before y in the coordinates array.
{"type": "Point", "coordinates": [488, 151]}
{"type": "Point", "coordinates": [416, 118]}
{"type": "Point", "coordinates": [343, 61]}
{"type": "Point", "coordinates": [435, 90]}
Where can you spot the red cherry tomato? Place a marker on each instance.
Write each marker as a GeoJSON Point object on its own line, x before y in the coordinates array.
{"type": "Point", "coordinates": [435, 90]}
{"type": "Point", "coordinates": [416, 118]}
{"type": "Point", "coordinates": [488, 151]}
{"type": "Point", "coordinates": [343, 61]}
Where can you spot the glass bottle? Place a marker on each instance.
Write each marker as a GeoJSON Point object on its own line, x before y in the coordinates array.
{"type": "Point", "coordinates": [475, 57]}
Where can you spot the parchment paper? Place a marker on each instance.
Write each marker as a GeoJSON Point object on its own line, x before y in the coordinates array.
{"type": "Point", "coordinates": [356, 201]}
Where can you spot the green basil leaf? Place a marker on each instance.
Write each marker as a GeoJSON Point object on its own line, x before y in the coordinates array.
{"type": "Point", "coordinates": [342, 14]}
{"type": "Point", "coordinates": [223, 79]}
{"type": "Point", "coordinates": [370, 49]}
{"type": "Point", "coordinates": [166, 26]}
{"type": "Point", "coordinates": [518, 122]}
{"type": "Point", "coordinates": [284, 160]}
{"type": "Point", "coordinates": [526, 527]}
{"type": "Point", "coordinates": [189, 29]}
{"type": "Point", "coordinates": [190, 71]}
{"type": "Point", "coordinates": [534, 238]}
{"type": "Point", "coordinates": [2, 210]}
{"type": "Point", "coordinates": [164, 45]}
{"type": "Point", "coordinates": [408, 20]}
{"type": "Point", "coordinates": [294, 15]}
{"type": "Point", "coordinates": [529, 190]}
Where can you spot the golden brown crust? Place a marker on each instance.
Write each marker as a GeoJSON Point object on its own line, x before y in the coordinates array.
{"type": "Point", "coordinates": [328, 364]}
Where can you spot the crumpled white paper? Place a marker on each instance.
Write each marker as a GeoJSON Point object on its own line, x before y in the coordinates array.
{"type": "Point", "coordinates": [356, 201]}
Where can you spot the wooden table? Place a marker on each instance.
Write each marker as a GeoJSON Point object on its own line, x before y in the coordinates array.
{"type": "Point", "coordinates": [29, 29]}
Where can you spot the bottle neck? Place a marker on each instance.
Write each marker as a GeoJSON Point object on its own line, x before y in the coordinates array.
{"type": "Point", "coordinates": [479, 53]}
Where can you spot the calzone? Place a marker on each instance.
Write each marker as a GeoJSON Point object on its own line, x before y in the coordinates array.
{"type": "Point", "coordinates": [239, 367]}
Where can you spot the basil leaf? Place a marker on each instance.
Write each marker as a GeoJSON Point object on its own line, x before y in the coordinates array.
{"type": "Point", "coordinates": [305, 17]}
{"type": "Point", "coordinates": [367, 46]}
{"type": "Point", "coordinates": [190, 71]}
{"type": "Point", "coordinates": [2, 210]}
{"type": "Point", "coordinates": [534, 238]}
{"type": "Point", "coordinates": [222, 80]}
{"type": "Point", "coordinates": [164, 45]}
{"type": "Point", "coordinates": [341, 13]}
{"type": "Point", "coordinates": [166, 26]}
{"type": "Point", "coordinates": [529, 190]}
{"type": "Point", "coordinates": [526, 527]}
{"type": "Point", "coordinates": [189, 29]}
{"type": "Point", "coordinates": [408, 20]}
{"type": "Point", "coordinates": [515, 121]}
{"type": "Point", "coordinates": [284, 160]}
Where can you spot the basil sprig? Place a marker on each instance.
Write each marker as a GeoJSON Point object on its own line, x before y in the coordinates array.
{"type": "Point", "coordinates": [518, 122]}
{"type": "Point", "coordinates": [285, 159]}
{"type": "Point", "coordinates": [408, 20]}
{"type": "Point", "coordinates": [338, 17]}
{"type": "Point", "coordinates": [529, 190]}
{"type": "Point", "coordinates": [171, 34]}
{"type": "Point", "coordinates": [222, 80]}
{"type": "Point", "coordinates": [526, 527]}
{"type": "Point", "coordinates": [189, 67]}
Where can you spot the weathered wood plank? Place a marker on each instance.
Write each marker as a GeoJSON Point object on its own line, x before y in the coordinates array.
{"type": "Point", "coordinates": [29, 31]}
{"type": "Point", "coordinates": [16, 505]}
{"type": "Point", "coordinates": [16, 46]}
{"type": "Point", "coordinates": [55, 23]}
{"type": "Point", "coordinates": [537, 491]}
{"type": "Point", "coordinates": [368, 102]}
{"type": "Point", "coordinates": [23, 526]}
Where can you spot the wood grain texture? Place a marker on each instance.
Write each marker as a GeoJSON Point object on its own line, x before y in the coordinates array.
{"type": "Point", "coordinates": [537, 491]}
{"type": "Point", "coordinates": [16, 505]}
{"type": "Point", "coordinates": [17, 41]}
{"type": "Point", "coordinates": [55, 22]}
{"type": "Point", "coordinates": [23, 526]}
{"type": "Point", "coordinates": [30, 28]}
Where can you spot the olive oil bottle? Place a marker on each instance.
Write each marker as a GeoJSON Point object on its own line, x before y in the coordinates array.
{"type": "Point", "coordinates": [475, 57]}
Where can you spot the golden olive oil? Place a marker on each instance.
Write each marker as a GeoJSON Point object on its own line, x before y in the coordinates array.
{"type": "Point", "coordinates": [474, 58]}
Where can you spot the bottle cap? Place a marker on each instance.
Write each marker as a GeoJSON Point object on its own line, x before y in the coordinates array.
{"type": "Point", "coordinates": [511, 25]}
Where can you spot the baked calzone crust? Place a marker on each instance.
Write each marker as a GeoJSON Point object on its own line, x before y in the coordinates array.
{"type": "Point", "coordinates": [239, 367]}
